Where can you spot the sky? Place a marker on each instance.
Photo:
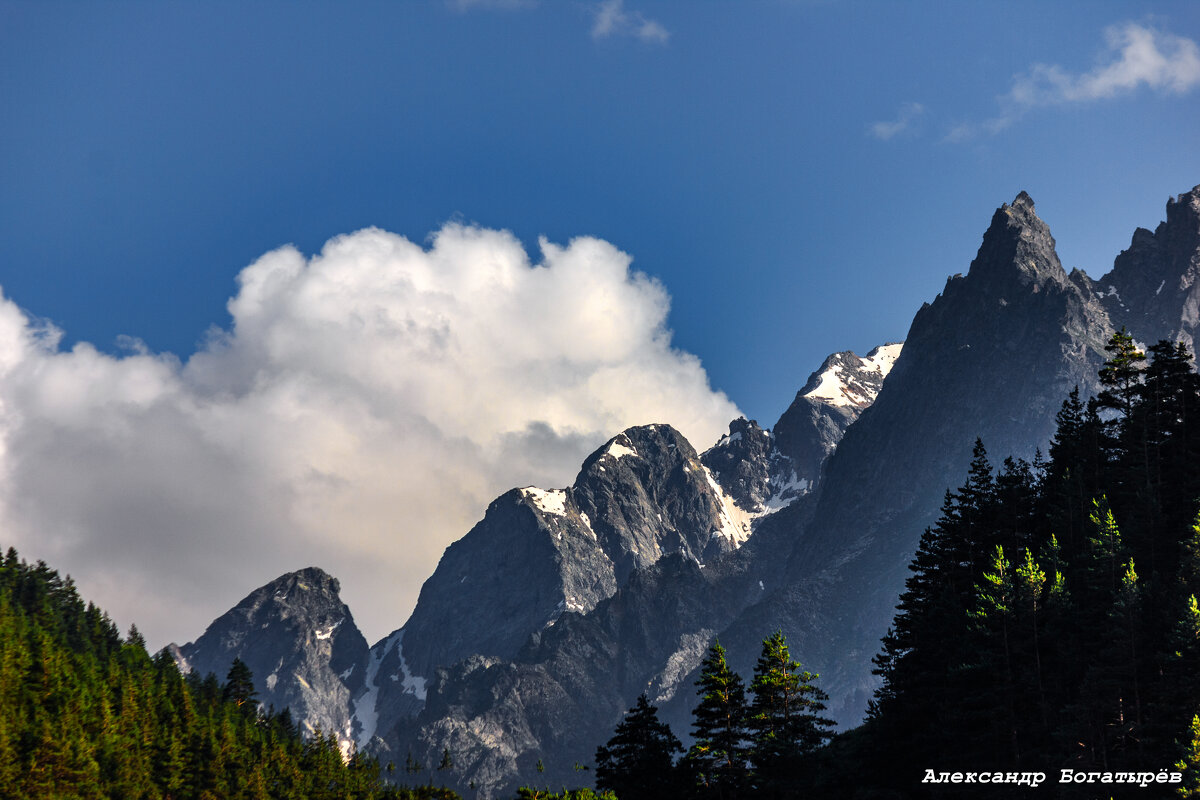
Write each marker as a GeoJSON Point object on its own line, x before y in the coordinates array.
{"type": "Point", "coordinates": [299, 283]}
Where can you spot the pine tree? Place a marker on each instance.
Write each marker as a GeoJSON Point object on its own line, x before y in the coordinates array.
{"type": "Point", "coordinates": [638, 761]}
{"type": "Point", "coordinates": [718, 757]}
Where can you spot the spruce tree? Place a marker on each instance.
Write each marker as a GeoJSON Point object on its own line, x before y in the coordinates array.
{"type": "Point", "coordinates": [784, 717]}
{"type": "Point", "coordinates": [1121, 374]}
{"type": "Point", "coordinates": [638, 761]}
{"type": "Point", "coordinates": [239, 686]}
{"type": "Point", "coordinates": [717, 759]}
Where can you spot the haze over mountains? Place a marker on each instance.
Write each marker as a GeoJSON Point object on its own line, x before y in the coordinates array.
{"type": "Point", "coordinates": [546, 620]}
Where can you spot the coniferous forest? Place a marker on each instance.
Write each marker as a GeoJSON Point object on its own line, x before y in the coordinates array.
{"type": "Point", "coordinates": [85, 713]}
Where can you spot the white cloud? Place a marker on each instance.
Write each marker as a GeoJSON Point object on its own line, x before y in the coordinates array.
{"type": "Point", "coordinates": [363, 408]}
{"type": "Point", "coordinates": [612, 19]}
{"type": "Point", "coordinates": [904, 122]}
{"type": "Point", "coordinates": [1136, 56]}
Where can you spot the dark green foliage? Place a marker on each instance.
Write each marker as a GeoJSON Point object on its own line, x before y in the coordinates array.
{"type": "Point", "coordinates": [87, 714]}
{"type": "Point", "coordinates": [718, 758]}
{"type": "Point", "coordinates": [638, 761]}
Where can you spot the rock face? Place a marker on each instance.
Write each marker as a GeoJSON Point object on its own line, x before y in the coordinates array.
{"type": "Point", "coordinates": [538, 554]}
{"type": "Point", "coordinates": [300, 641]}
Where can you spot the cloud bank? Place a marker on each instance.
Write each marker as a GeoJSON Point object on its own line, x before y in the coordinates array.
{"type": "Point", "coordinates": [359, 413]}
{"type": "Point", "coordinates": [1136, 56]}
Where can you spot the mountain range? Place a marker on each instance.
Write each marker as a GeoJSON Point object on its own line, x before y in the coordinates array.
{"type": "Point", "coordinates": [544, 623]}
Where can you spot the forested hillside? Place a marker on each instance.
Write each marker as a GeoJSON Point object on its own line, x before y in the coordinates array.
{"type": "Point", "coordinates": [85, 713]}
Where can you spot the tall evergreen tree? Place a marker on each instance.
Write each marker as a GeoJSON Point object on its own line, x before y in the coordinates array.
{"type": "Point", "coordinates": [717, 759]}
{"type": "Point", "coordinates": [784, 717]}
{"type": "Point", "coordinates": [638, 761]}
{"type": "Point", "coordinates": [239, 686]}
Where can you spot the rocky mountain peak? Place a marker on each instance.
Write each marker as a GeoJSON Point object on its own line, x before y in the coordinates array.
{"type": "Point", "coordinates": [299, 640]}
{"type": "Point", "coordinates": [846, 379]}
{"type": "Point", "coordinates": [1017, 250]}
{"type": "Point", "coordinates": [833, 397]}
{"type": "Point", "coordinates": [1153, 289]}
{"type": "Point", "coordinates": [304, 588]}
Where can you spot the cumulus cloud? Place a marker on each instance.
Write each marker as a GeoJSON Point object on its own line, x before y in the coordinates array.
{"type": "Point", "coordinates": [904, 122]}
{"type": "Point", "coordinates": [1136, 56]}
{"type": "Point", "coordinates": [359, 413]}
{"type": "Point", "coordinates": [612, 19]}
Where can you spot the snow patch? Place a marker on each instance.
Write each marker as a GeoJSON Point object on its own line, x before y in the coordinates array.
{"type": "Point", "coordinates": [553, 501]}
{"type": "Point", "coordinates": [413, 684]}
{"type": "Point", "coordinates": [587, 522]}
{"type": "Point", "coordinates": [325, 634]}
{"type": "Point", "coordinates": [1160, 286]}
{"type": "Point", "coordinates": [840, 389]}
{"type": "Point", "coordinates": [618, 450]}
{"type": "Point", "coordinates": [364, 708]}
{"type": "Point", "coordinates": [736, 523]}
{"type": "Point", "coordinates": [783, 496]}
{"type": "Point", "coordinates": [883, 358]}
{"type": "Point", "coordinates": [272, 679]}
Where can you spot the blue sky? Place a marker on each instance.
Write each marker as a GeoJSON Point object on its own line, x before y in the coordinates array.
{"type": "Point", "coordinates": [153, 150]}
{"type": "Point", "coordinates": [798, 176]}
